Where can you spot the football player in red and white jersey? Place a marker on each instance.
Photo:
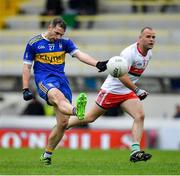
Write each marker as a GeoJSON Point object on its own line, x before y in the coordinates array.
{"type": "Point", "coordinates": [122, 92]}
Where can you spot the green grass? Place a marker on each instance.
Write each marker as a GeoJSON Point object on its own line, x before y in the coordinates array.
{"type": "Point", "coordinates": [87, 162]}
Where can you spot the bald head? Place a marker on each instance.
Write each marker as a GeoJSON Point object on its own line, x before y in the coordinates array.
{"type": "Point", "coordinates": [143, 29]}
{"type": "Point", "coordinates": [146, 39]}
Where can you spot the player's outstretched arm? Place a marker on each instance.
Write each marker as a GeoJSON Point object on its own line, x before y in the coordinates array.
{"type": "Point", "coordinates": [86, 58]}
{"type": "Point", "coordinates": [102, 65]}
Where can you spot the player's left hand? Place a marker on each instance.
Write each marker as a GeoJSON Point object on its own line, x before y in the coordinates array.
{"type": "Point", "coordinates": [102, 65]}
{"type": "Point", "coordinates": [27, 95]}
{"type": "Point", "coordinates": [142, 94]}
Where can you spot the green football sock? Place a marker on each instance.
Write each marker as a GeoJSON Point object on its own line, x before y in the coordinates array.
{"type": "Point", "coordinates": [135, 147]}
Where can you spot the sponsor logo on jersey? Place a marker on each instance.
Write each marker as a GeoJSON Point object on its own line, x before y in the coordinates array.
{"type": "Point", "coordinates": [136, 71]}
{"type": "Point", "coordinates": [51, 58]}
{"type": "Point", "coordinates": [41, 47]}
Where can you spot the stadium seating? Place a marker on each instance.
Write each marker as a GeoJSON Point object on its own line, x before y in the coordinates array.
{"type": "Point", "coordinates": [111, 33]}
{"type": "Point", "coordinates": [33, 6]}
{"type": "Point", "coordinates": [107, 21]}
{"type": "Point", "coordinates": [102, 44]}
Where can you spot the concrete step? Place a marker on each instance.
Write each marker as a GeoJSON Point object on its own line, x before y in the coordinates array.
{"type": "Point", "coordinates": [108, 21]}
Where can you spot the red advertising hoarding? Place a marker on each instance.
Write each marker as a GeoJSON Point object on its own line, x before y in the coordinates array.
{"type": "Point", "coordinates": [74, 138]}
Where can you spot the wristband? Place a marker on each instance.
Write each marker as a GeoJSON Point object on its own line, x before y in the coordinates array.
{"type": "Point", "coordinates": [25, 89]}
{"type": "Point", "coordinates": [136, 89]}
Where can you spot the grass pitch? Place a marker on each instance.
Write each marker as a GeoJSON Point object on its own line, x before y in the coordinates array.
{"type": "Point", "coordinates": [87, 162]}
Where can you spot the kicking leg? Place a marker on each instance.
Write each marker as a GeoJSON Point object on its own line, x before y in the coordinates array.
{"type": "Point", "coordinates": [57, 98]}
{"type": "Point", "coordinates": [90, 117]}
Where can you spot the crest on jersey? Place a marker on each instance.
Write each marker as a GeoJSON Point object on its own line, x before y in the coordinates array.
{"type": "Point", "coordinates": [139, 64]}
{"type": "Point", "coordinates": [60, 45]}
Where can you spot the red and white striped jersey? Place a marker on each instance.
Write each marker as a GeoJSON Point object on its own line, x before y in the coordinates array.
{"type": "Point", "coordinates": [137, 64]}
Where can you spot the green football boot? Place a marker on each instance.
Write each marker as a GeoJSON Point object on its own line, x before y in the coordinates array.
{"type": "Point", "coordinates": [45, 161]}
{"type": "Point", "coordinates": [81, 102]}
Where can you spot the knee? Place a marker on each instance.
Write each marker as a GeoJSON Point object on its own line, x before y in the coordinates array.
{"type": "Point", "coordinates": [91, 119]}
{"type": "Point", "coordinates": [62, 125]}
{"type": "Point", "coordinates": [55, 97]}
{"type": "Point", "coordinates": [140, 116]}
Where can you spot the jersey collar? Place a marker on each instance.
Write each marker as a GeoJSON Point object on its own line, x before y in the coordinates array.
{"type": "Point", "coordinates": [140, 50]}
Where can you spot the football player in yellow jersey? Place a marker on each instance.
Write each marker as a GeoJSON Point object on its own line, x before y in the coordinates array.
{"type": "Point", "coordinates": [47, 53]}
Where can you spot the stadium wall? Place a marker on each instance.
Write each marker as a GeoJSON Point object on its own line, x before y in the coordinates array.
{"type": "Point", "coordinates": [156, 105]}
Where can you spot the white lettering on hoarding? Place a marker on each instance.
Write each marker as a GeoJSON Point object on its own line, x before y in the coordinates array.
{"type": "Point", "coordinates": [23, 135]}
{"type": "Point", "coordinates": [85, 141]}
{"type": "Point", "coordinates": [11, 140]}
{"type": "Point", "coordinates": [105, 141]}
{"type": "Point", "coordinates": [37, 140]}
{"type": "Point", "coordinates": [73, 141]}
{"type": "Point", "coordinates": [127, 140]}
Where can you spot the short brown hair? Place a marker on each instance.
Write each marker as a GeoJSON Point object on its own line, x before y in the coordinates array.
{"type": "Point", "coordinates": [58, 21]}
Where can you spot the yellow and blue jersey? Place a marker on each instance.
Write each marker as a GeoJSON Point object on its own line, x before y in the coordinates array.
{"type": "Point", "coordinates": [49, 62]}
{"type": "Point", "coordinates": [48, 57]}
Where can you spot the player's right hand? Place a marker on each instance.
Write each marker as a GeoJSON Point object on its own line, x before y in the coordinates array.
{"type": "Point", "coordinates": [142, 94]}
{"type": "Point", "coordinates": [27, 95]}
{"type": "Point", "coordinates": [102, 65]}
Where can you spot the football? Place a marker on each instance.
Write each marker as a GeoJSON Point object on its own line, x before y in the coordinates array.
{"type": "Point", "coordinates": [117, 66]}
